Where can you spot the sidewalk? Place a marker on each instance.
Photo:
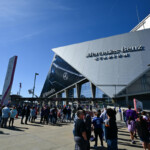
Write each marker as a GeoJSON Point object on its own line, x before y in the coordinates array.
{"type": "Point", "coordinates": [46, 137]}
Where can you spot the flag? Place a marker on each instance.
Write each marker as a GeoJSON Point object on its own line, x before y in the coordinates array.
{"type": "Point", "coordinates": [138, 105]}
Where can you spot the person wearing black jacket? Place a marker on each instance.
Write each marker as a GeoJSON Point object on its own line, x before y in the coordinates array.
{"type": "Point", "coordinates": [111, 130]}
{"type": "Point", "coordinates": [80, 136]}
{"type": "Point", "coordinates": [143, 132]}
{"type": "Point", "coordinates": [27, 114]}
{"type": "Point", "coordinates": [87, 121]}
{"type": "Point", "coordinates": [23, 112]}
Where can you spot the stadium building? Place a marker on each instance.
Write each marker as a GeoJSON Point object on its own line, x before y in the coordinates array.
{"type": "Point", "coordinates": [115, 67]}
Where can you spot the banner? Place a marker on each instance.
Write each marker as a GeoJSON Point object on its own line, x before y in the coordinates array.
{"type": "Point", "coordinates": [138, 105]}
{"type": "Point", "coordinates": [9, 80]}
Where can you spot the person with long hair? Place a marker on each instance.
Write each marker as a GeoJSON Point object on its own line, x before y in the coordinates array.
{"type": "Point", "coordinates": [143, 132]}
{"type": "Point", "coordinates": [111, 130]}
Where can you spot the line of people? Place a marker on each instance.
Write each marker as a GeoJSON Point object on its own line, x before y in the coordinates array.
{"type": "Point", "coordinates": [56, 114]}
{"type": "Point", "coordinates": [102, 124]}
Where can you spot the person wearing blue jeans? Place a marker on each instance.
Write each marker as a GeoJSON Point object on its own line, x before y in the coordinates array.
{"type": "Point", "coordinates": [103, 116]}
{"type": "Point", "coordinates": [5, 116]}
{"type": "Point", "coordinates": [97, 123]}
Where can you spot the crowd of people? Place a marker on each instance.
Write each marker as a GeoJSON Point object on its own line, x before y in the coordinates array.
{"type": "Point", "coordinates": [138, 123]}
{"type": "Point", "coordinates": [5, 114]}
{"type": "Point", "coordinates": [89, 125]}
{"type": "Point", "coordinates": [103, 125]}
{"type": "Point", "coordinates": [48, 115]}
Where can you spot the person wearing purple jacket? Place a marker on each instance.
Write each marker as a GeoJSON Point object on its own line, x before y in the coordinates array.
{"type": "Point", "coordinates": [131, 113]}
{"type": "Point", "coordinates": [131, 116]}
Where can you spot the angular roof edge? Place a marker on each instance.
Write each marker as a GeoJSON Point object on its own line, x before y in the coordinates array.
{"type": "Point", "coordinates": [139, 24]}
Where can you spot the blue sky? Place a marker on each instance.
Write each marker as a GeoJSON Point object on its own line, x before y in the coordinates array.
{"type": "Point", "coordinates": [31, 28]}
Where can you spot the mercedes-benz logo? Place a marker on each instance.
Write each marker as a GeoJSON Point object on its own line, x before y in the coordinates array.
{"type": "Point", "coordinates": [65, 76]}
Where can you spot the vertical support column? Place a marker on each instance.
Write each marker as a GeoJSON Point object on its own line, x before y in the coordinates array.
{"type": "Point", "coordinates": [127, 98]}
{"type": "Point", "coordinates": [58, 95]}
{"type": "Point", "coordinates": [67, 95]}
{"type": "Point", "coordinates": [78, 90]}
{"type": "Point", "coordinates": [93, 90]}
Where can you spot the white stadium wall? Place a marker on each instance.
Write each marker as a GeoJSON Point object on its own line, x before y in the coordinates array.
{"type": "Point", "coordinates": [110, 63]}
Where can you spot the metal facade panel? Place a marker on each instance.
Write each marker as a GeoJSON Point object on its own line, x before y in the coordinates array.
{"type": "Point", "coordinates": [116, 72]}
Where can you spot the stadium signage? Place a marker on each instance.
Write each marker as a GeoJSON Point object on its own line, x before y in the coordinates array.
{"type": "Point", "coordinates": [111, 54]}
{"type": "Point", "coordinates": [49, 93]}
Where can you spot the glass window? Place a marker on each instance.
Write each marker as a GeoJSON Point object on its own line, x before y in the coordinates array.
{"type": "Point", "coordinates": [63, 95]}
{"type": "Point", "coordinates": [99, 93]}
{"type": "Point", "coordinates": [71, 93]}
{"type": "Point", "coordinates": [75, 92]}
{"type": "Point", "coordinates": [86, 90]}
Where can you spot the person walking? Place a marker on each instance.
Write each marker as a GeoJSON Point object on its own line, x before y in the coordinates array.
{"type": "Point", "coordinates": [5, 116]}
{"type": "Point", "coordinates": [111, 130]}
{"type": "Point", "coordinates": [131, 128]}
{"type": "Point", "coordinates": [13, 113]}
{"type": "Point", "coordinates": [80, 132]}
{"type": "Point", "coordinates": [132, 116]}
{"type": "Point", "coordinates": [98, 131]}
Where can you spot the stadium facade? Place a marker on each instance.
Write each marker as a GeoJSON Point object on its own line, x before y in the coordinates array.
{"type": "Point", "coordinates": [116, 67]}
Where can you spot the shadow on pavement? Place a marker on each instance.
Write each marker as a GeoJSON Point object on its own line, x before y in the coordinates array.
{"type": "Point", "coordinates": [122, 131]}
{"type": "Point", "coordinates": [62, 124]}
{"type": "Point", "coordinates": [35, 124]}
{"type": "Point", "coordinates": [22, 129]}
{"type": "Point", "coordinates": [128, 140]}
{"type": "Point", "coordinates": [1, 132]}
{"type": "Point", "coordinates": [103, 148]}
{"type": "Point", "coordinates": [131, 145]}
{"type": "Point", "coordinates": [124, 134]}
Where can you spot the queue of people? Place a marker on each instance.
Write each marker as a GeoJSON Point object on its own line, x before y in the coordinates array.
{"type": "Point", "coordinates": [55, 114]}
{"type": "Point", "coordinates": [102, 124]}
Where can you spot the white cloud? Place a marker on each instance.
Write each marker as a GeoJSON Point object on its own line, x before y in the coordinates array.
{"type": "Point", "coordinates": [12, 9]}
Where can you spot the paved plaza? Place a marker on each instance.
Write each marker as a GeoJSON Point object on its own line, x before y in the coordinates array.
{"type": "Point", "coordinates": [47, 137]}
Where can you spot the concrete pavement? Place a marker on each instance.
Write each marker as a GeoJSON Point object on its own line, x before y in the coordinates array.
{"type": "Point", "coordinates": [35, 136]}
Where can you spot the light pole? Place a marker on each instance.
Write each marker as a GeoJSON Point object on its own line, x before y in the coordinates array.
{"type": "Point", "coordinates": [36, 74]}
{"type": "Point", "coordinates": [20, 86]}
